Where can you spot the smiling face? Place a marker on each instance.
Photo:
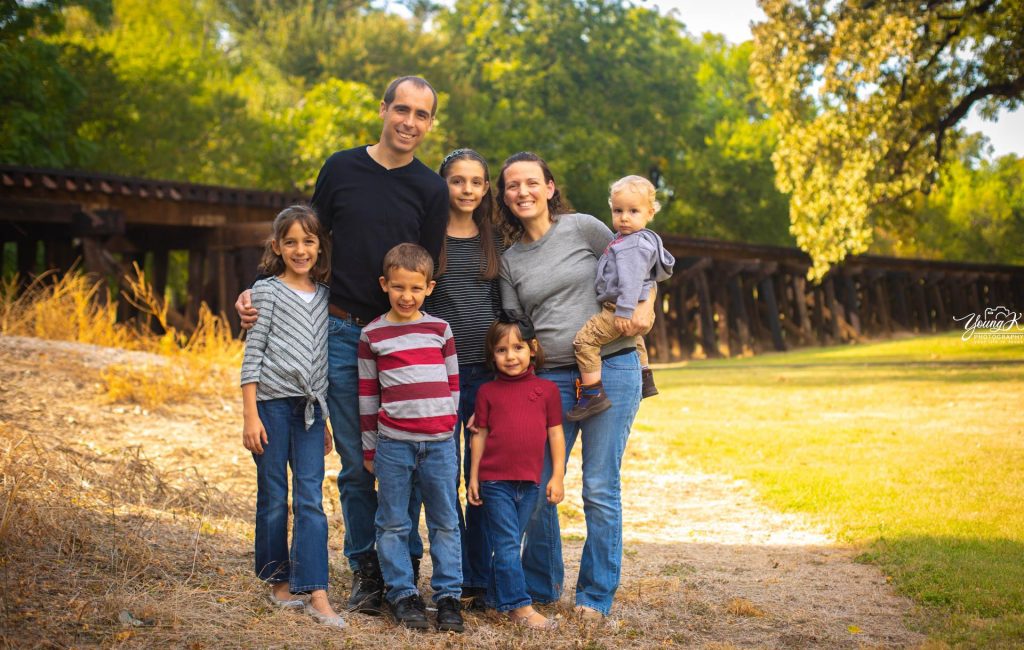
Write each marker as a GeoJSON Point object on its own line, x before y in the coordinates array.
{"type": "Point", "coordinates": [526, 192]}
{"type": "Point", "coordinates": [631, 210]}
{"type": "Point", "coordinates": [406, 292]}
{"type": "Point", "coordinates": [406, 119]}
{"type": "Point", "coordinates": [467, 186]}
{"type": "Point", "coordinates": [298, 249]}
{"type": "Point", "coordinates": [512, 355]}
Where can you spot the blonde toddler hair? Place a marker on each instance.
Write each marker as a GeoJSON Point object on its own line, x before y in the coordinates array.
{"type": "Point", "coordinates": [637, 184]}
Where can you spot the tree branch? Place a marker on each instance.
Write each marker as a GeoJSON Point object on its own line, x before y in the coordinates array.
{"type": "Point", "coordinates": [1012, 88]}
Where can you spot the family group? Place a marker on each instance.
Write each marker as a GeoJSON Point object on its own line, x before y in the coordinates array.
{"type": "Point", "coordinates": [432, 332]}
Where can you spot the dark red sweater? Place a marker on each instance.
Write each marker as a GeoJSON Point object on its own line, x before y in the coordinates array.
{"type": "Point", "coordinates": [517, 412]}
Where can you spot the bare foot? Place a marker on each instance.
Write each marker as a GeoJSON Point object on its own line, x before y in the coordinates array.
{"type": "Point", "coordinates": [318, 601]}
{"type": "Point", "coordinates": [588, 614]}
{"type": "Point", "coordinates": [280, 591]}
{"type": "Point", "coordinates": [530, 618]}
{"type": "Point", "coordinates": [321, 611]}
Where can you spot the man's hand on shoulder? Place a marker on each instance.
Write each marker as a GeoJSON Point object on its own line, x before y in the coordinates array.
{"type": "Point", "coordinates": [247, 314]}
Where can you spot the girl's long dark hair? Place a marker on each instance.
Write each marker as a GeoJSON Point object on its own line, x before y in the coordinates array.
{"type": "Point", "coordinates": [483, 217]}
{"type": "Point", "coordinates": [272, 264]}
{"type": "Point", "coordinates": [512, 228]}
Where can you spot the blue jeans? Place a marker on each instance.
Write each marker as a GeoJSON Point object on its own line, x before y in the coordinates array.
{"type": "Point", "coordinates": [476, 553]}
{"type": "Point", "coordinates": [432, 466]}
{"type": "Point", "coordinates": [604, 439]}
{"type": "Point", "coordinates": [355, 485]}
{"type": "Point", "coordinates": [290, 443]}
{"type": "Point", "coordinates": [507, 508]}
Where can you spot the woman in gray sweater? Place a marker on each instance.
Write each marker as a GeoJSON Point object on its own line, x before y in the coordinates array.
{"type": "Point", "coordinates": [548, 275]}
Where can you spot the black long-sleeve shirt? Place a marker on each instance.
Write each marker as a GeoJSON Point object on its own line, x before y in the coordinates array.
{"type": "Point", "coordinates": [369, 209]}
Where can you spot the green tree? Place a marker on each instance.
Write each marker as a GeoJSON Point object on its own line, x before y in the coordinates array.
{"type": "Point", "coordinates": [975, 212]}
{"type": "Point", "coordinates": [598, 88]}
{"type": "Point", "coordinates": [725, 185]}
{"type": "Point", "coordinates": [42, 99]}
{"type": "Point", "coordinates": [867, 95]}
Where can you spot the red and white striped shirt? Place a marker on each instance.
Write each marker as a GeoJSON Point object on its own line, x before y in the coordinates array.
{"type": "Point", "coordinates": [408, 381]}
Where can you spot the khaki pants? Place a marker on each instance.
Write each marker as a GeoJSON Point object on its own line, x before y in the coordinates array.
{"type": "Point", "coordinates": [600, 330]}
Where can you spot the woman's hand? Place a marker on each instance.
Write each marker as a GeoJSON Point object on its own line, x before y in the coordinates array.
{"type": "Point", "coordinates": [253, 434]}
{"type": "Point", "coordinates": [643, 316]}
{"type": "Point", "coordinates": [623, 325]}
{"type": "Point", "coordinates": [473, 492]}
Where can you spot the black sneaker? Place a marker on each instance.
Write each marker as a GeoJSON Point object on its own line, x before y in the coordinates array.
{"type": "Point", "coordinates": [367, 586]}
{"type": "Point", "coordinates": [591, 400]}
{"type": "Point", "coordinates": [410, 612]}
{"type": "Point", "coordinates": [647, 379]}
{"type": "Point", "coordinates": [449, 615]}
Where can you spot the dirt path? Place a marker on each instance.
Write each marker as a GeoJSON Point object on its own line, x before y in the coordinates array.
{"type": "Point", "coordinates": [706, 565]}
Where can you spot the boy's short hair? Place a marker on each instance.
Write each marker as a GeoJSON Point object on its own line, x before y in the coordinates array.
{"type": "Point", "coordinates": [637, 184]}
{"type": "Point", "coordinates": [411, 257]}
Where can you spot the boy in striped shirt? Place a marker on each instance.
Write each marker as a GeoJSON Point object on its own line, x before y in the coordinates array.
{"type": "Point", "coordinates": [408, 399]}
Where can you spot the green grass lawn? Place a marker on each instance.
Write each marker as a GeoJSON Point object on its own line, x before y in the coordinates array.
{"type": "Point", "coordinates": [911, 449]}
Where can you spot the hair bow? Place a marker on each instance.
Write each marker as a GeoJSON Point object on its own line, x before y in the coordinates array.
{"type": "Point", "coordinates": [524, 323]}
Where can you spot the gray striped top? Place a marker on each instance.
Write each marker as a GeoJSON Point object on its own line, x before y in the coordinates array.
{"type": "Point", "coordinates": [286, 350]}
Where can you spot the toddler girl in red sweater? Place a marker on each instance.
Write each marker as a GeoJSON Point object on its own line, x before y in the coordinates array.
{"type": "Point", "coordinates": [517, 416]}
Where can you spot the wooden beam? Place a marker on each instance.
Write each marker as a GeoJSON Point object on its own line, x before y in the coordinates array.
{"type": "Point", "coordinates": [27, 250]}
{"type": "Point", "coordinates": [742, 318]}
{"type": "Point", "coordinates": [834, 309]}
{"type": "Point", "coordinates": [196, 272]}
{"type": "Point", "coordinates": [850, 301]}
{"type": "Point", "coordinates": [800, 296]}
{"type": "Point", "coordinates": [721, 301]}
{"type": "Point", "coordinates": [767, 291]}
{"type": "Point", "coordinates": [707, 316]}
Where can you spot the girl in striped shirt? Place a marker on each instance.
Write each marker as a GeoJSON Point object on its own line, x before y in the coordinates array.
{"type": "Point", "coordinates": [284, 382]}
{"type": "Point", "coordinates": [467, 296]}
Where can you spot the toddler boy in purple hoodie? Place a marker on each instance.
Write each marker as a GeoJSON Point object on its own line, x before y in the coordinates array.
{"type": "Point", "coordinates": [631, 264]}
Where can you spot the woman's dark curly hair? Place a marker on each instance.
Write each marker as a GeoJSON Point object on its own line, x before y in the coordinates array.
{"type": "Point", "coordinates": [511, 226]}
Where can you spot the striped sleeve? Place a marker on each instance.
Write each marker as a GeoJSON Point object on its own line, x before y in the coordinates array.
{"type": "Point", "coordinates": [369, 396]}
{"type": "Point", "coordinates": [451, 364]}
{"type": "Point", "coordinates": [258, 337]}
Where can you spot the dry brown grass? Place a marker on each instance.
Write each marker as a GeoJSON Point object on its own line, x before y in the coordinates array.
{"type": "Point", "coordinates": [75, 307]}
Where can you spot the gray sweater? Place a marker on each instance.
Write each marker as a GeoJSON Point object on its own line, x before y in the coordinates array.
{"type": "Point", "coordinates": [286, 350]}
{"type": "Point", "coordinates": [630, 267]}
{"type": "Point", "coordinates": [551, 280]}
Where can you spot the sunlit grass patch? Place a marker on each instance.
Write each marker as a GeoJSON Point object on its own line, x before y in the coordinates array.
{"type": "Point", "coordinates": [75, 307]}
{"type": "Point", "coordinates": [913, 449]}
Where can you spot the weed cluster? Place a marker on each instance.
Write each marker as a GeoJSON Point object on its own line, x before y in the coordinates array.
{"type": "Point", "coordinates": [76, 307]}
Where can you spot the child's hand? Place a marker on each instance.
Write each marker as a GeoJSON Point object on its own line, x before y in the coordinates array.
{"type": "Point", "coordinates": [368, 465]}
{"type": "Point", "coordinates": [328, 442]}
{"type": "Point", "coordinates": [555, 490]}
{"type": "Point", "coordinates": [253, 434]}
{"type": "Point", "coordinates": [473, 492]}
{"type": "Point", "coordinates": [622, 324]}
{"type": "Point", "coordinates": [471, 424]}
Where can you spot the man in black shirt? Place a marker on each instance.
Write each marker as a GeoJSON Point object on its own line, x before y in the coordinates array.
{"type": "Point", "coordinates": [370, 198]}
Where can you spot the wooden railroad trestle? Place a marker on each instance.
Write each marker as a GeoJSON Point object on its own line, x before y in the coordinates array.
{"type": "Point", "coordinates": [725, 299]}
